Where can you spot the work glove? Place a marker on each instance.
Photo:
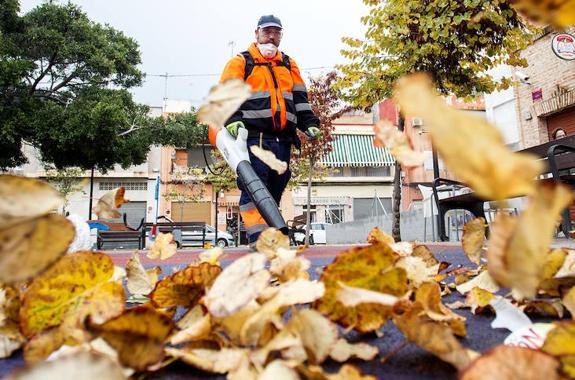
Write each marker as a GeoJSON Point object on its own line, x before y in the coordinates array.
{"type": "Point", "coordinates": [233, 128]}
{"type": "Point", "coordinates": [313, 132]}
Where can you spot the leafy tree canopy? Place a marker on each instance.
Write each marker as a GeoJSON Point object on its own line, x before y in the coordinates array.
{"type": "Point", "coordinates": [456, 41]}
{"type": "Point", "coordinates": [64, 83]}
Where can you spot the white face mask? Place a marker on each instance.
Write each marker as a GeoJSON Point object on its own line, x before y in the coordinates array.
{"type": "Point", "coordinates": [268, 50]}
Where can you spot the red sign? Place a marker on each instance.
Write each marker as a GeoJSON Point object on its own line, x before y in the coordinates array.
{"type": "Point", "coordinates": [537, 95]}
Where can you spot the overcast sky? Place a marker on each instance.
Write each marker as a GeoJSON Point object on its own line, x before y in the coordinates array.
{"type": "Point", "coordinates": [191, 37]}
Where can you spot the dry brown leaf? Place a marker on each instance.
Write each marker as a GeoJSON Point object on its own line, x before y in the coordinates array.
{"type": "Point", "coordinates": [222, 101]}
{"type": "Point", "coordinates": [398, 143]}
{"type": "Point", "coordinates": [287, 266]}
{"type": "Point", "coordinates": [138, 335]}
{"type": "Point", "coordinates": [478, 299]}
{"type": "Point", "coordinates": [76, 287]}
{"type": "Point", "coordinates": [559, 13]}
{"type": "Point", "coordinates": [553, 262]}
{"type": "Point", "coordinates": [518, 248]}
{"type": "Point", "coordinates": [417, 270]}
{"type": "Point", "coordinates": [107, 206]}
{"type": "Point", "coordinates": [473, 237]}
{"type": "Point", "coordinates": [9, 305]}
{"type": "Point", "coordinates": [269, 159]}
{"type": "Point", "coordinates": [84, 365]}
{"type": "Point", "coordinates": [403, 248]}
{"type": "Point", "coordinates": [342, 351]}
{"type": "Point", "coordinates": [185, 287]}
{"type": "Point", "coordinates": [317, 333]}
{"type": "Point", "coordinates": [194, 325]}
{"type": "Point", "coordinates": [350, 296]}
{"type": "Point", "coordinates": [543, 308]}
{"type": "Point", "coordinates": [23, 198]}
{"type": "Point", "coordinates": [210, 360]}
{"type": "Point", "coordinates": [569, 301]}
{"type": "Point", "coordinates": [560, 342]}
{"type": "Point", "coordinates": [483, 281]}
{"type": "Point", "coordinates": [349, 372]}
{"type": "Point", "coordinates": [378, 236]}
{"type": "Point", "coordinates": [270, 241]}
{"type": "Point", "coordinates": [164, 247]}
{"type": "Point", "coordinates": [10, 339]}
{"type": "Point", "coordinates": [428, 296]}
{"type": "Point", "coordinates": [140, 281]}
{"type": "Point", "coordinates": [278, 370]}
{"type": "Point", "coordinates": [238, 284]}
{"type": "Point", "coordinates": [38, 243]}
{"type": "Point", "coordinates": [471, 148]}
{"type": "Point", "coordinates": [284, 342]}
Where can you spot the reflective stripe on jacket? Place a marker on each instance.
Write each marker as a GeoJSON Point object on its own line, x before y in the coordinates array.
{"type": "Point", "coordinates": [279, 101]}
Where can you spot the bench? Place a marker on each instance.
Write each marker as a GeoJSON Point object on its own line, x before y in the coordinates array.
{"type": "Point", "coordinates": [105, 237]}
{"type": "Point", "coordinates": [559, 159]}
{"type": "Point", "coordinates": [185, 233]}
{"type": "Point", "coordinates": [296, 225]}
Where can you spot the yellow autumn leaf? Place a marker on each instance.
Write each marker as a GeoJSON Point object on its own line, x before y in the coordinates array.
{"type": "Point", "coordinates": [472, 240]}
{"type": "Point", "coordinates": [9, 305]}
{"type": "Point", "coordinates": [28, 248]}
{"type": "Point", "coordinates": [164, 247]}
{"type": "Point", "coordinates": [270, 240]}
{"type": "Point", "coordinates": [543, 308]}
{"type": "Point", "coordinates": [10, 339]}
{"type": "Point", "coordinates": [378, 236]}
{"type": "Point", "coordinates": [107, 206]}
{"type": "Point", "coordinates": [342, 351]}
{"type": "Point", "coordinates": [553, 262]}
{"type": "Point", "coordinates": [560, 342]}
{"type": "Point", "coordinates": [216, 361]}
{"type": "Point", "coordinates": [194, 325]}
{"type": "Point", "coordinates": [470, 147]}
{"type": "Point", "coordinates": [569, 301]}
{"type": "Point", "coordinates": [518, 248]}
{"type": "Point", "coordinates": [371, 268]}
{"type": "Point", "coordinates": [269, 159]}
{"type": "Point", "coordinates": [318, 334]}
{"type": "Point", "coordinates": [478, 299]}
{"type": "Point", "coordinates": [511, 363]}
{"type": "Point", "coordinates": [140, 281]}
{"type": "Point", "coordinates": [346, 372]}
{"type": "Point", "coordinates": [185, 287]}
{"type": "Point", "coordinates": [41, 345]}
{"type": "Point", "coordinates": [418, 270]}
{"type": "Point", "coordinates": [74, 288]}
{"type": "Point", "coordinates": [138, 335]}
{"type": "Point", "coordinates": [559, 13]}
{"type": "Point", "coordinates": [483, 281]}
{"type": "Point", "coordinates": [398, 143]}
{"type": "Point", "coordinates": [23, 198]}
{"type": "Point", "coordinates": [350, 296]}
{"type": "Point", "coordinates": [222, 101]}
{"type": "Point", "coordinates": [278, 370]}
{"type": "Point", "coordinates": [428, 296]}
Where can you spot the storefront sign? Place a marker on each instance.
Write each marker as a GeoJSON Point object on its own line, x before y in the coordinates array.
{"type": "Point", "coordinates": [563, 45]}
{"type": "Point", "coordinates": [537, 95]}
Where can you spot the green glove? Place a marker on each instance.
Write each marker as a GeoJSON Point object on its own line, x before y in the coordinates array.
{"type": "Point", "coordinates": [313, 132]}
{"type": "Point", "coordinates": [233, 128]}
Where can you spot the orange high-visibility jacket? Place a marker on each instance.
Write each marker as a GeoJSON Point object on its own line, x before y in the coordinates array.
{"type": "Point", "coordinates": [279, 102]}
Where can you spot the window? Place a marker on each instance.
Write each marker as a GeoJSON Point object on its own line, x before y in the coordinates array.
{"type": "Point", "coordinates": [382, 171]}
{"type": "Point", "coordinates": [334, 214]}
{"type": "Point", "coordinates": [137, 186]}
{"type": "Point", "coordinates": [312, 216]}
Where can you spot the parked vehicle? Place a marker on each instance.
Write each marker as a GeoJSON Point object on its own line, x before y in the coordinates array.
{"type": "Point", "coordinates": [317, 234]}
{"type": "Point", "coordinates": [190, 238]}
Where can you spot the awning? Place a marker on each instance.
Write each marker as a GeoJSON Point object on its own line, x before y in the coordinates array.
{"type": "Point", "coordinates": [356, 151]}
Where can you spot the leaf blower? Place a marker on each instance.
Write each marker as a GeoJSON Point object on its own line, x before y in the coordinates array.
{"type": "Point", "coordinates": [235, 152]}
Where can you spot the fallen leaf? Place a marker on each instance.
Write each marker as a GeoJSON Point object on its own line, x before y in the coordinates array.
{"type": "Point", "coordinates": [10, 339]}
{"type": "Point", "coordinates": [560, 13]}
{"type": "Point", "coordinates": [569, 301]}
{"type": "Point", "coordinates": [317, 333]}
{"type": "Point", "coordinates": [471, 148]}
{"type": "Point", "coordinates": [185, 287]}
{"type": "Point", "coordinates": [238, 284]}
{"type": "Point", "coordinates": [398, 143]}
{"type": "Point", "coordinates": [483, 281]}
{"type": "Point", "coordinates": [370, 268]}
{"type": "Point", "coordinates": [510, 363]}
{"type": "Point", "coordinates": [560, 342]}
{"type": "Point", "coordinates": [222, 101]}
{"type": "Point", "coordinates": [378, 236]}
{"type": "Point", "coordinates": [472, 240]}
{"type": "Point", "coordinates": [140, 281]}
{"type": "Point", "coordinates": [350, 296]}
{"type": "Point", "coordinates": [402, 248]}
{"type": "Point", "coordinates": [342, 351]}
{"type": "Point", "coordinates": [216, 361]}
{"type": "Point", "coordinates": [84, 365]}
{"type": "Point", "coordinates": [47, 342]}
{"type": "Point", "coordinates": [417, 270]}
{"type": "Point", "coordinates": [518, 248]}
{"type": "Point", "coordinates": [478, 299]}
{"type": "Point", "coordinates": [287, 265]}
{"type": "Point", "coordinates": [211, 256]}
{"type": "Point", "coordinates": [76, 287]}
{"type": "Point", "coordinates": [23, 198]}
{"type": "Point", "coordinates": [270, 241]}
{"type": "Point", "coordinates": [346, 372]}
{"type": "Point", "coordinates": [568, 267]}
{"type": "Point", "coordinates": [9, 305]}
{"type": "Point", "coordinates": [164, 247]}
{"type": "Point", "coordinates": [553, 262]}
{"type": "Point", "coordinates": [108, 204]}
{"type": "Point", "coordinates": [278, 370]}
{"type": "Point", "coordinates": [428, 295]}
{"type": "Point", "coordinates": [269, 159]}
{"type": "Point", "coordinates": [38, 243]}
{"type": "Point", "coordinates": [138, 335]}
{"type": "Point", "coordinates": [543, 308]}
{"type": "Point", "coordinates": [194, 325]}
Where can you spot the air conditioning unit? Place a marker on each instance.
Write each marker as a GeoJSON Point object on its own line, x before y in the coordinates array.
{"type": "Point", "coordinates": [417, 122]}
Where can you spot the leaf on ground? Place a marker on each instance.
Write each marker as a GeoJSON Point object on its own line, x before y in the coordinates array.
{"type": "Point", "coordinates": [510, 363]}
{"type": "Point", "coordinates": [378, 236]}
{"type": "Point", "coordinates": [107, 206]}
{"type": "Point", "coordinates": [398, 143]}
{"type": "Point", "coordinates": [270, 241]}
{"type": "Point", "coordinates": [287, 265]}
{"type": "Point", "coordinates": [278, 370]}
{"type": "Point", "coordinates": [471, 148]}
{"type": "Point", "coordinates": [238, 284]}
{"type": "Point", "coordinates": [472, 240]}
{"type": "Point", "coordinates": [37, 243]}
{"type": "Point", "coordinates": [164, 247]}
{"type": "Point", "coordinates": [518, 247]}
{"type": "Point", "coordinates": [478, 299]}
{"type": "Point", "coordinates": [23, 198]}
{"type": "Point", "coordinates": [210, 360]}
{"type": "Point", "coordinates": [569, 301]}
{"type": "Point", "coordinates": [76, 287]}
{"type": "Point", "coordinates": [402, 248]}
{"type": "Point", "coordinates": [10, 339]}
{"type": "Point", "coordinates": [185, 287]}
{"type": "Point", "coordinates": [428, 296]}
{"type": "Point", "coordinates": [350, 296]}
{"type": "Point", "coordinates": [551, 308]}
{"type": "Point", "coordinates": [342, 351]}
{"type": "Point", "coordinates": [417, 270]}
{"type": "Point", "coordinates": [430, 335]}
{"type": "Point", "coordinates": [317, 333]}
{"type": "Point", "coordinates": [269, 159]}
{"type": "Point", "coordinates": [346, 372]}
{"type": "Point", "coordinates": [83, 365]}
{"type": "Point", "coordinates": [553, 262]}
{"type": "Point", "coordinates": [139, 280]}
{"type": "Point", "coordinates": [9, 305]}
{"type": "Point", "coordinates": [560, 14]}
{"type": "Point", "coordinates": [560, 342]}
{"type": "Point", "coordinates": [138, 335]}
{"type": "Point", "coordinates": [222, 101]}
{"type": "Point", "coordinates": [194, 325]}
{"type": "Point", "coordinates": [483, 281]}
{"type": "Point", "coordinates": [370, 268]}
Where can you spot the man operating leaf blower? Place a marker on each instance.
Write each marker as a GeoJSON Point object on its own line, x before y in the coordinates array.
{"type": "Point", "coordinates": [277, 106]}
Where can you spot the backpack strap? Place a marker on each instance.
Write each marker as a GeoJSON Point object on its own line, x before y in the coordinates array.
{"type": "Point", "coordinates": [250, 63]}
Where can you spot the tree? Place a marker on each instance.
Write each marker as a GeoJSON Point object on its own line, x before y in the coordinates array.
{"type": "Point", "coordinates": [67, 181]}
{"type": "Point", "coordinates": [456, 41]}
{"type": "Point", "coordinates": [326, 103]}
{"type": "Point", "coordinates": [64, 83]}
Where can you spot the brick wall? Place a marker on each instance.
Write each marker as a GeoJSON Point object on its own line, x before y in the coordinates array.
{"type": "Point", "coordinates": [546, 71]}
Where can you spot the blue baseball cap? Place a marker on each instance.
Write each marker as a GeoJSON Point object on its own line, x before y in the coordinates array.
{"type": "Point", "coordinates": [269, 20]}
